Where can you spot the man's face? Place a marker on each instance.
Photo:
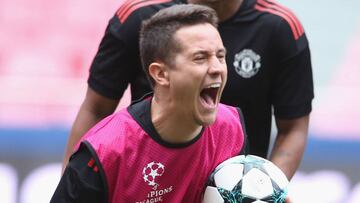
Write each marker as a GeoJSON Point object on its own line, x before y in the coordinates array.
{"type": "Point", "coordinates": [199, 73]}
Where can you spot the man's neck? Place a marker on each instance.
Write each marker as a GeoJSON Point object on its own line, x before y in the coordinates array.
{"type": "Point", "coordinates": [171, 125]}
{"type": "Point", "coordinates": [225, 9]}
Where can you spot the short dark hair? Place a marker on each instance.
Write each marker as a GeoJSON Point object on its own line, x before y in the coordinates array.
{"type": "Point", "coordinates": [157, 33]}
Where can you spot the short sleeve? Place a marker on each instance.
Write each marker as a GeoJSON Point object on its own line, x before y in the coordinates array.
{"type": "Point", "coordinates": [292, 89]}
{"type": "Point", "coordinates": [116, 62]}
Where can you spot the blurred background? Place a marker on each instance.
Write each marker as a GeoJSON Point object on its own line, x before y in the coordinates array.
{"type": "Point", "coordinates": [46, 48]}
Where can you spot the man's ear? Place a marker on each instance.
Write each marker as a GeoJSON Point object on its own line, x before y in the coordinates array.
{"type": "Point", "coordinates": [158, 71]}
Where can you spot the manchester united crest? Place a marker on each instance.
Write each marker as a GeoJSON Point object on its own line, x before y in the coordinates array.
{"type": "Point", "coordinates": [247, 63]}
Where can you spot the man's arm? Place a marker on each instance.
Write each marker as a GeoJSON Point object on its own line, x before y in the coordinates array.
{"type": "Point", "coordinates": [94, 108]}
{"type": "Point", "coordinates": [290, 144]}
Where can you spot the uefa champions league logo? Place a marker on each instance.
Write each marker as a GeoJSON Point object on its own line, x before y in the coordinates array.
{"type": "Point", "coordinates": [151, 171]}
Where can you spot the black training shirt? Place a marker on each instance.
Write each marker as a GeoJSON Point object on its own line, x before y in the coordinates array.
{"type": "Point", "coordinates": [268, 59]}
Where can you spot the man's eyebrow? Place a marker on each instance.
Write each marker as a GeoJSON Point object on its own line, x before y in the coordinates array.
{"type": "Point", "coordinates": [206, 52]}
{"type": "Point", "coordinates": [201, 51]}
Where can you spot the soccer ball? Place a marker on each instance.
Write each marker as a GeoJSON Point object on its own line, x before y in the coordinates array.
{"type": "Point", "coordinates": [246, 179]}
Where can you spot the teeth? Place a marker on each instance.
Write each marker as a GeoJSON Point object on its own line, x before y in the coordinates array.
{"type": "Point", "coordinates": [216, 85]}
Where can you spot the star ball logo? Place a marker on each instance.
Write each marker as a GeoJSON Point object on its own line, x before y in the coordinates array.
{"type": "Point", "coordinates": [151, 171]}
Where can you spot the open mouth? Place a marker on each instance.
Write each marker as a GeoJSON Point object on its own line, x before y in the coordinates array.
{"type": "Point", "coordinates": [209, 95]}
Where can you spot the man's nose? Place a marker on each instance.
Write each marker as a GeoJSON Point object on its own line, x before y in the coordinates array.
{"type": "Point", "coordinates": [216, 65]}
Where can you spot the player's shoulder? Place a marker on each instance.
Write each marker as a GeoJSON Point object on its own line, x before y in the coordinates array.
{"type": "Point", "coordinates": [126, 22]}
{"type": "Point", "coordinates": [277, 15]}
{"type": "Point", "coordinates": [140, 9]}
{"type": "Point", "coordinates": [230, 119]}
{"type": "Point", "coordinates": [112, 122]}
{"type": "Point", "coordinates": [111, 131]}
{"type": "Point", "coordinates": [228, 113]}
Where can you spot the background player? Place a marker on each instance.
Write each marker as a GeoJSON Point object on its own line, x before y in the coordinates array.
{"type": "Point", "coordinates": [163, 148]}
{"type": "Point", "coordinates": [269, 70]}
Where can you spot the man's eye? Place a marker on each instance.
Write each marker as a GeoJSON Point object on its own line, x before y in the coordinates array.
{"type": "Point", "coordinates": [221, 57]}
{"type": "Point", "coordinates": [200, 58]}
